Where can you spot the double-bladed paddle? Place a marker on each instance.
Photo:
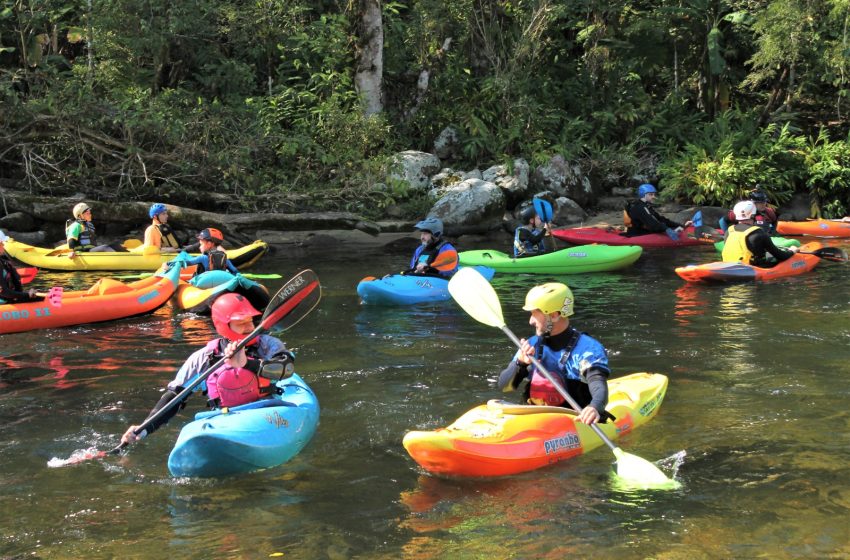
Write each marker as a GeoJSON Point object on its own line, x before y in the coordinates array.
{"type": "Point", "coordinates": [290, 304]}
{"type": "Point", "coordinates": [477, 297]}
{"type": "Point", "coordinates": [246, 275]}
{"type": "Point", "coordinates": [828, 253]}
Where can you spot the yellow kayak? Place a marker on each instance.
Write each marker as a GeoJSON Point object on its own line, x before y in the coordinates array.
{"type": "Point", "coordinates": [140, 258]}
{"type": "Point", "coordinates": [498, 439]}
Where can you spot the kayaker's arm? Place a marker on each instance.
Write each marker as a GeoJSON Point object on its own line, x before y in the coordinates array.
{"type": "Point", "coordinates": [759, 243]}
{"type": "Point", "coordinates": [512, 376]}
{"type": "Point", "coordinates": [131, 436]}
{"type": "Point", "coordinates": [597, 382]}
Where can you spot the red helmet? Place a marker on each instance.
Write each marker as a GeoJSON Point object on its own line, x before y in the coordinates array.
{"type": "Point", "coordinates": [231, 307]}
{"type": "Point", "coordinates": [211, 234]}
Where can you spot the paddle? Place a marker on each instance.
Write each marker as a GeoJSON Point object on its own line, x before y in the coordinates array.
{"type": "Point", "coordinates": [828, 253]}
{"type": "Point", "coordinates": [477, 297]}
{"type": "Point", "coordinates": [544, 212]}
{"type": "Point", "coordinates": [53, 295]}
{"type": "Point", "coordinates": [290, 304]}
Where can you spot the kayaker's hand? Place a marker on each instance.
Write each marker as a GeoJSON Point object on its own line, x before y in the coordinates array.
{"type": "Point", "coordinates": [525, 352]}
{"type": "Point", "coordinates": [130, 435]}
{"type": "Point", "coordinates": [237, 360]}
{"type": "Point", "coordinates": [420, 267]}
{"type": "Point", "coordinates": [72, 254]}
{"type": "Point", "coordinates": [793, 248]}
{"type": "Point", "coordinates": [588, 415]}
{"type": "Point", "coordinates": [689, 223]}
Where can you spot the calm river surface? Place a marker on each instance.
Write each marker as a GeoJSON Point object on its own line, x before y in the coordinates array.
{"type": "Point", "coordinates": [758, 400]}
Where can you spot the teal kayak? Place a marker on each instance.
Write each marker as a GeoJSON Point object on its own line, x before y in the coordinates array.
{"type": "Point", "coordinates": [409, 289]}
{"type": "Point", "coordinates": [253, 436]}
{"type": "Point", "coordinates": [575, 260]}
{"type": "Point", "coordinates": [778, 241]}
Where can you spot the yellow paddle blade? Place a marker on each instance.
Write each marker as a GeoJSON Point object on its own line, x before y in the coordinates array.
{"type": "Point", "coordinates": [637, 472]}
{"type": "Point", "coordinates": [477, 297]}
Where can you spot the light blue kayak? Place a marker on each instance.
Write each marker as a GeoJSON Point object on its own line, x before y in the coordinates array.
{"type": "Point", "coordinates": [246, 438]}
{"type": "Point", "coordinates": [398, 289]}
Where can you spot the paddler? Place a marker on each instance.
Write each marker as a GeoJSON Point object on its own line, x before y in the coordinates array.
{"type": "Point", "coordinates": [80, 234]}
{"type": "Point", "coordinates": [750, 244]}
{"type": "Point", "coordinates": [435, 256]}
{"type": "Point", "coordinates": [765, 216]}
{"type": "Point", "coordinates": [213, 256]}
{"type": "Point", "coordinates": [159, 234]}
{"type": "Point", "coordinates": [641, 218]}
{"type": "Point", "coordinates": [245, 377]}
{"type": "Point", "coordinates": [11, 287]}
{"type": "Point", "coordinates": [577, 360]}
{"type": "Point", "coordinates": [532, 237]}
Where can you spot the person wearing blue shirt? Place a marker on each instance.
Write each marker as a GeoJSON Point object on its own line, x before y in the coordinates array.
{"type": "Point", "coordinates": [578, 361]}
{"type": "Point", "coordinates": [212, 256]}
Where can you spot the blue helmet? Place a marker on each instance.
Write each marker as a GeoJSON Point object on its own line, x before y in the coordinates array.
{"type": "Point", "coordinates": [157, 209]}
{"type": "Point", "coordinates": [433, 225]}
{"type": "Point", "coordinates": [645, 188]}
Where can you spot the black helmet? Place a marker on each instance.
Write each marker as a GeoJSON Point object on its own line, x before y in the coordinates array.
{"type": "Point", "coordinates": [758, 196]}
{"type": "Point", "coordinates": [527, 214]}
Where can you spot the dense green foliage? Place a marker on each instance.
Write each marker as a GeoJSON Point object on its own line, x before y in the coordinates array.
{"type": "Point", "coordinates": [167, 99]}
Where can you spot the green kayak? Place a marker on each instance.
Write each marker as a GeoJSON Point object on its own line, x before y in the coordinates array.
{"type": "Point", "coordinates": [778, 241]}
{"type": "Point", "coordinates": [575, 260]}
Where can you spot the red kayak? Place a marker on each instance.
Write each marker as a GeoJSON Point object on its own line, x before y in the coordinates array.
{"type": "Point", "coordinates": [614, 236]}
{"type": "Point", "coordinates": [27, 274]}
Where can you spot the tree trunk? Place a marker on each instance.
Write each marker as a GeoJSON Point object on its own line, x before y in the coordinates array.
{"type": "Point", "coordinates": [370, 62]}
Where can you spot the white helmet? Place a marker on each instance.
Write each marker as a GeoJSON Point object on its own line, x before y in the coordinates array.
{"type": "Point", "coordinates": [744, 210]}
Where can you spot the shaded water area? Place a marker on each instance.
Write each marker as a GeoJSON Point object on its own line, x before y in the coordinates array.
{"type": "Point", "coordinates": [757, 399]}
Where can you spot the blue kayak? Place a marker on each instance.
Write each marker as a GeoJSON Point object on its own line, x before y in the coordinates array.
{"type": "Point", "coordinates": [240, 439]}
{"type": "Point", "coordinates": [201, 291]}
{"type": "Point", "coordinates": [407, 289]}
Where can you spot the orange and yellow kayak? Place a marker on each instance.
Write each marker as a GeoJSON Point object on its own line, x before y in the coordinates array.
{"type": "Point", "coordinates": [499, 438]}
{"type": "Point", "coordinates": [106, 300]}
{"type": "Point", "coordinates": [737, 272]}
{"type": "Point", "coordinates": [815, 228]}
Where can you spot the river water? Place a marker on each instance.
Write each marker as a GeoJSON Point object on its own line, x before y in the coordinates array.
{"type": "Point", "coordinates": [757, 401]}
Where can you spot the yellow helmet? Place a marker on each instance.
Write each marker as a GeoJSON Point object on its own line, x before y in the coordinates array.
{"type": "Point", "coordinates": [549, 298]}
{"type": "Point", "coordinates": [80, 209]}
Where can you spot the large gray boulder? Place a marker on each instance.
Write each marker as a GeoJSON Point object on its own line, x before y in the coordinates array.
{"type": "Point", "coordinates": [471, 205]}
{"type": "Point", "coordinates": [447, 143]}
{"type": "Point", "coordinates": [414, 168]}
{"type": "Point", "coordinates": [565, 179]}
{"type": "Point", "coordinates": [513, 182]}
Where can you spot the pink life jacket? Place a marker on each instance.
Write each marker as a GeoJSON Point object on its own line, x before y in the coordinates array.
{"type": "Point", "coordinates": [231, 386]}
{"type": "Point", "coordinates": [541, 389]}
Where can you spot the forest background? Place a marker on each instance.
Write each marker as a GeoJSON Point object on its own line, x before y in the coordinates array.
{"type": "Point", "coordinates": [296, 105]}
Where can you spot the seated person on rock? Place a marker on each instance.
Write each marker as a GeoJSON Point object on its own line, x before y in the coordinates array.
{"type": "Point", "coordinates": [435, 256]}
{"type": "Point", "coordinates": [241, 379]}
{"type": "Point", "coordinates": [11, 287]}
{"type": "Point", "coordinates": [533, 236]}
{"type": "Point", "coordinates": [750, 244]}
{"type": "Point", "coordinates": [159, 234]}
{"type": "Point", "coordinates": [641, 218]}
{"type": "Point", "coordinates": [80, 236]}
{"type": "Point", "coordinates": [212, 255]}
{"type": "Point", "coordinates": [765, 216]}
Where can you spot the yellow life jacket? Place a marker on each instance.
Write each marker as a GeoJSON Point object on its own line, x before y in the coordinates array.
{"type": "Point", "coordinates": [735, 250]}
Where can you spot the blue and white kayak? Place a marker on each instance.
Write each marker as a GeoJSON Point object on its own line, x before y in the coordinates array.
{"type": "Point", "coordinates": [408, 289]}
{"type": "Point", "coordinates": [253, 436]}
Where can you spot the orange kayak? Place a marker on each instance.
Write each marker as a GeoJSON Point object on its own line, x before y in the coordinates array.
{"type": "Point", "coordinates": [499, 438]}
{"type": "Point", "coordinates": [738, 272]}
{"type": "Point", "coordinates": [106, 300]}
{"type": "Point", "coordinates": [815, 228]}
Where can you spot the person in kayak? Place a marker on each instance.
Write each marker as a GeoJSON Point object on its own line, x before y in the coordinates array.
{"type": "Point", "coordinates": [765, 216]}
{"type": "Point", "coordinates": [577, 360]}
{"type": "Point", "coordinates": [159, 234]}
{"type": "Point", "coordinates": [212, 256]}
{"type": "Point", "coordinates": [245, 377]}
{"type": "Point", "coordinates": [533, 236]}
{"type": "Point", "coordinates": [11, 287]}
{"type": "Point", "coordinates": [750, 244]}
{"type": "Point", "coordinates": [641, 218]}
{"type": "Point", "coordinates": [80, 235]}
{"type": "Point", "coordinates": [435, 256]}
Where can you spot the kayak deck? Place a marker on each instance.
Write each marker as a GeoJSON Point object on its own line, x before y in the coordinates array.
{"type": "Point", "coordinates": [574, 260]}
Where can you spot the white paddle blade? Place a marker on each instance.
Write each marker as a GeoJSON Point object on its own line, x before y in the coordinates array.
{"type": "Point", "coordinates": [477, 297]}
{"type": "Point", "coordinates": [636, 471]}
